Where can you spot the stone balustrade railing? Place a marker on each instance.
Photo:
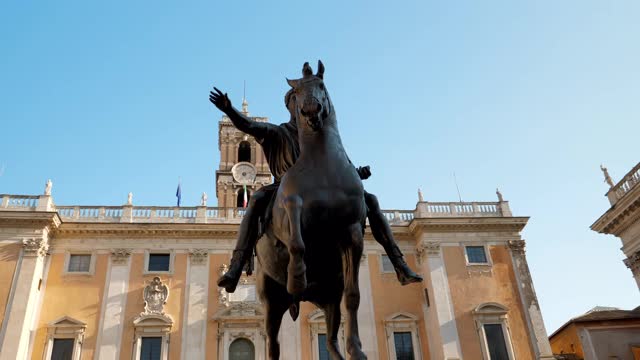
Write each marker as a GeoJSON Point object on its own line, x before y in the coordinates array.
{"type": "Point", "coordinates": [203, 214]}
{"type": "Point", "coordinates": [21, 202]}
{"type": "Point", "coordinates": [628, 182]}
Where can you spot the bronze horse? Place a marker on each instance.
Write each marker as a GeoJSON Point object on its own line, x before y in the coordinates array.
{"type": "Point", "coordinates": [314, 242]}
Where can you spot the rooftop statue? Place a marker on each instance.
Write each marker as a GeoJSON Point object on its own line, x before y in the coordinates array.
{"type": "Point", "coordinates": [314, 215]}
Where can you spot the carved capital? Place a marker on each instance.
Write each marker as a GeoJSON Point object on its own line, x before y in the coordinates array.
{"type": "Point", "coordinates": [633, 263]}
{"type": "Point", "coordinates": [35, 247]}
{"type": "Point", "coordinates": [120, 256]}
{"type": "Point", "coordinates": [198, 256]}
{"type": "Point", "coordinates": [430, 248]}
{"type": "Point", "coordinates": [517, 246]}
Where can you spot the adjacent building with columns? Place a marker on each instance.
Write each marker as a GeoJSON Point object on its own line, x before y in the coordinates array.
{"type": "Point", "coordinates": [622, 219]}
{"type": "Point", "coordinates": [139, 282]}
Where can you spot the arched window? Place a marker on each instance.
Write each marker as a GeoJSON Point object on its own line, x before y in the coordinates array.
{"type": "Point", "coordinates": [244, 152]}
{"type": "Point", "coordinates": [241, 349]}
{"type": "Point", "coordinates": [240, 200]}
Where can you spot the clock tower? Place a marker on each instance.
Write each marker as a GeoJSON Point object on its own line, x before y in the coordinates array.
{"type": "Point", "coordinates": [242, 163]}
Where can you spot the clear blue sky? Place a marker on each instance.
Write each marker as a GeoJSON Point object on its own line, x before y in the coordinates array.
{"type": "Point", "coordinates": [110, 97]}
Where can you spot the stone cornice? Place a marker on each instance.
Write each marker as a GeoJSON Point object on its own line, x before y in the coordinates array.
{"type": "Point", "coordinates": [472, 224]}
{"type": "Point", "coordinates": [621, 215]}
{"type": "Point", "coordinates": [30, 218]}
{"type": "Point", "coordinates": [147, 230]}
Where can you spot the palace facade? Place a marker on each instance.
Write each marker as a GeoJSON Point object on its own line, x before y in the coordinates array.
{"type": "Point", "coordinates": [139, 282]}
{"type": "Point", "coordinates": [622, 219]}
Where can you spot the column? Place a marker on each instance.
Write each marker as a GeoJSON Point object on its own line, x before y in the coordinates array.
{"type": "Point", "coordinates": [195, 327]}
{"type": "Point", "coordinates": [113, 305]}
{"type": "Point", "coordinates": [445, 344]}
{"type": "Point", "coordinates": [15, 344]}
{"type": "Point", "coordinates": [535, 324]}
{"type": "Point", "coordinates": [633, 263]}
{"type": "Point", "coordinates": [366, 315]}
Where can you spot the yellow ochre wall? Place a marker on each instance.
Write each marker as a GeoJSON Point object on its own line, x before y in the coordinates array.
{"type": "Point", "coordinates": [76, 296]}
{"type": "Point", "coordinates": [135, 302]}
{"type": "Point", "coordinates": [470, 290]}
{"type": "Point", "coordinates": [390, 297]}
{"type": "Point", "coordinates": [562, 341]}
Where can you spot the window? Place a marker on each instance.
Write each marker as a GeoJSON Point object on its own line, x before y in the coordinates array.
{"type": "Point", "coordinates": [79, 263]}
{"type": "Point", "coordinates": [244, 152]}
{"type": "Point", "coordinates": [323, 353]}
{"type": "Point", "coordinates": [495, 342]}
{"type": "Point", "coordinates": [151, 336]}
{"type": "Point", "coordinates": [159, 262]}
{"type": "Point", "coordinates": [476, 255]}
{"type": "Point", "coordinates": [318, 330]}
{"type": "Point", "coordinates": [151, 348]}
{"type": "Point", "coordinates": [493, 330]}
{"type": "Point", "coordinates": [62, 349]}
{"type": "Point", "coordinates": [241, 349]}
{"type": "Point", "coordinates": [404, 346]}
{"type": "Point", "coordinates": [402, 336]}
{"type": "Point", "coordinates": [64, 339]}
{"type": "Point", "coordinates": [387, 266]}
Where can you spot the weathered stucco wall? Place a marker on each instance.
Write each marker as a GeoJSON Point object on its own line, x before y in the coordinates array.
{"type": "Point", "coordinates": [473, 285]}
{"type": "Point", "coordinates": [76, 296]}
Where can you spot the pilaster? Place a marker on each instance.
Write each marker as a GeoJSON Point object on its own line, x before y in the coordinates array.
{"type": "Point", "coordinates": [445, 342]}
{"type": "Point", "coordinates": [113, 308]}
{"type": "Point", "coordinates": [537, 332]}
{"type": "Point", "coordinates": [366, 314]}
{"type": "Point", "coordinates": [196, 300]}
{"type": "Point", "coordinates": [15, 344]}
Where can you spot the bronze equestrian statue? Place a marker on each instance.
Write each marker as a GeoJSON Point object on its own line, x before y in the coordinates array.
{"type": "Point", "coordinates": [319, 209]}
{"type": "Point", "coordinates": [281, 148]}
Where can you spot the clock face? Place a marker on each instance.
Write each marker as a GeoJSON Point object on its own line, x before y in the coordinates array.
{"type": "Point", "coordinates": [244, 173]}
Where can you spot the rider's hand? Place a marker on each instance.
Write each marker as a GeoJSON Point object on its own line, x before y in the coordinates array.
{"type": "Point", "coordinates": [364, 172]}
{"type": "Point", "coordinates": [220, 100]}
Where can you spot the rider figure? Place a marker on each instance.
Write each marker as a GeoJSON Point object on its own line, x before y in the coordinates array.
{"type": "Point", "coordinates": [281, 148]}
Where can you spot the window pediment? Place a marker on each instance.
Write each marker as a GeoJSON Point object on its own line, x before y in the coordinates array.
{"type": "Point", "coordinates": [490, 309]}
{"type": "Point", "coordinates": [67, 322]}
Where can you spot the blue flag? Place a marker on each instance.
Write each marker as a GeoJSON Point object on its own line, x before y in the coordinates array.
{"type": "Point", "coordinates": [179, 193]}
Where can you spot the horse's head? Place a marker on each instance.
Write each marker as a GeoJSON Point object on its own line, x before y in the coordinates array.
{"type": "Point", "coordinates": [311, 100]}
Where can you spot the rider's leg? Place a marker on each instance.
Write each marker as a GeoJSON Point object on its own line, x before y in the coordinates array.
{"type": "Point", "coordinates": [382, 233]}
{"type": "Point", "coordinates": [247, 238]}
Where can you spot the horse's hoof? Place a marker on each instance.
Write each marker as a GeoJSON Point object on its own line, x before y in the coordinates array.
{"type": "Point", "coordinates": [296, 285]}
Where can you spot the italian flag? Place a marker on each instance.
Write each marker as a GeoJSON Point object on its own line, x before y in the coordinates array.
{"type": "Point", "coordinates": [245, 199]}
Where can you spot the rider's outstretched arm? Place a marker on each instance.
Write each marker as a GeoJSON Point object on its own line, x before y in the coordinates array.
{"type": "Point", "coordinates": [246, 125]}
{"type": "Point", "coordinates": [239, 120]}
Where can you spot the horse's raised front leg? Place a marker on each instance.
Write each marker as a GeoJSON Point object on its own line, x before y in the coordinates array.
{"type": "Point", "coordinates": [332, 320]}
{"type": "Point", "coordinates": [351, 266]}
{"type": "Point", "coordinates": [296, 271]}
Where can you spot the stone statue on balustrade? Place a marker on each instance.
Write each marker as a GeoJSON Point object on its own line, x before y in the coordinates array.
{"type": "Point", "coordinates": [607, 178]}
{"type": "Point", "coordinates": [203, 199]}
{"type": "Point", "coordinates": [47, 187]}
{"type": "Point", "coordinates": [313, 216]}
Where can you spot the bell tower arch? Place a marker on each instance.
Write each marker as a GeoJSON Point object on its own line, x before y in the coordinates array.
{"type": "Point", "coordinates": [242, 163]}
